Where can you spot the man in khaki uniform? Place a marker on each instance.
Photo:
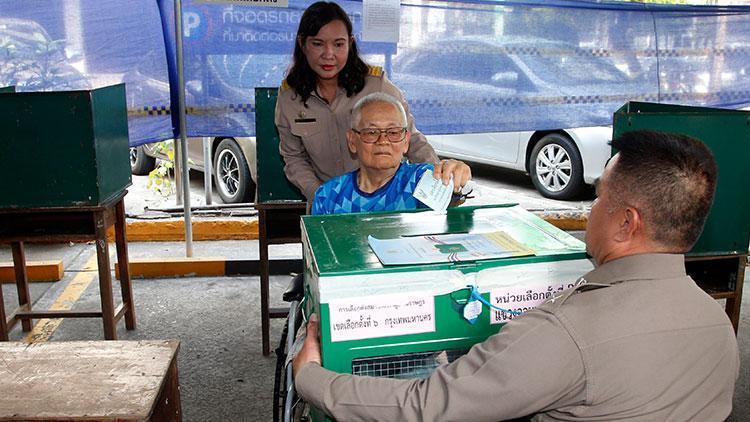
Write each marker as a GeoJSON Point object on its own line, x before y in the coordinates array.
{"type": "Point", "coordinates": [313, 136]}
{"type": "Point", "coordinates": [635, 340]}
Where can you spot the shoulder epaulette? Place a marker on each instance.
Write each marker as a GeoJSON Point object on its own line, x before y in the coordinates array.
{"type": "Point", "coordinates": [374, 70]}
{"type": "Point", "coordinates": [581, 286]}
{"type": "Point", "coordinates": [284, 84]}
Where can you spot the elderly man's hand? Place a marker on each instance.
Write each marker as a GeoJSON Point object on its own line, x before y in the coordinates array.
{"type": "Point", "coordinates": [310, 351]}
{"type": "Point", "coordinates": [458, 169]}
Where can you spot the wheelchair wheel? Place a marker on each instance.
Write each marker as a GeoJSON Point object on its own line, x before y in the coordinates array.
{"type": "Point", "coordinates": [281, 373]}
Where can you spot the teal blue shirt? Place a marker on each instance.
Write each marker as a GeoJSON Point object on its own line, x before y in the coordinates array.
{"type": "Point", "coordinates": [341, 194]}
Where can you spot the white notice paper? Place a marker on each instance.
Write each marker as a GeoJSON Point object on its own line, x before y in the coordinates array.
{"type": "Point", "coordinates": [381, 20]}
{"type": "Point", "coordinates": [433, 192]}
{"type": "Point", "coordinates": [381, 316]}
{"type": "Point", "coordinates": [521, 299]}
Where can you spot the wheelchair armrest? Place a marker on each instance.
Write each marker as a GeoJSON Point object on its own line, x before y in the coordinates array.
{"type": "Point", "coordinates": [295, 290]}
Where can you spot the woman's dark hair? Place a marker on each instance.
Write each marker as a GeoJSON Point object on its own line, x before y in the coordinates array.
{"type": "Point", "coordinates": [301, 77]}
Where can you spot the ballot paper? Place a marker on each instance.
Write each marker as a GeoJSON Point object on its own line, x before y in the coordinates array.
{"type": "Point", "coordinates": [446, 248]}
{"type": "Point", "coordinates": [433, 193]}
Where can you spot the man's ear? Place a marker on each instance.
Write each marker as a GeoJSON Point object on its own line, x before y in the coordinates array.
{"type": "Point", "coordinates": [630, 224]}
{"type": "Point", "coordinates": [351, 142]}
{"type": "Point", "coordinates": [405, 147]}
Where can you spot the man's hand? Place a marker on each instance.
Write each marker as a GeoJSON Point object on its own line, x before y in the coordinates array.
{"type": "Point", "coordinates": [310, 351]}
{"type": "Point", "coordinates": [458, 169]}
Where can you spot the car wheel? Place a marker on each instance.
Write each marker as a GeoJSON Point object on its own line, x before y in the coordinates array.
{"type": "Point", "coordinates": [141, 163]}
{"type": "Point", "coordinates": [556, 167]}
{"type": "Point", "coordinates": [232, 174]}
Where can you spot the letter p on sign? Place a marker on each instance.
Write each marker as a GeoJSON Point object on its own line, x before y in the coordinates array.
{"type": "Point", "coordinates": [191, 21]}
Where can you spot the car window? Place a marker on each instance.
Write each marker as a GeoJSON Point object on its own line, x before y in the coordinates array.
{"type": "Point", "coordinates": [467, 66]}
{"type": "Point", "coordinates": [564, 66]}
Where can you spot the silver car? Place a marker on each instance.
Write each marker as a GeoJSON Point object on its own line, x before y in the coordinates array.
{"type": "Point", "coordinates": [234, 164]}
{"type": "Point", "coordinates": [447, 81]}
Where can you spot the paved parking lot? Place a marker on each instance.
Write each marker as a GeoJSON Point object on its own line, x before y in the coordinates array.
{"type": "Point", "coordinates": [223, 375]}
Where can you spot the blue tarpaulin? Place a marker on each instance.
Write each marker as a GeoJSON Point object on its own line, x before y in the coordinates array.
{"type": "Point", "coordinates": [465, 66]}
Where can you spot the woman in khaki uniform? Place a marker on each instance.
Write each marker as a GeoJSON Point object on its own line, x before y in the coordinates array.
{"type": "Point", "coordinates": [313, 110]}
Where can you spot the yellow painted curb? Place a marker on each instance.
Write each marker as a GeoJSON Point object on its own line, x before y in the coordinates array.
{"type": "Point", "coordinates": [174, 230]}
{"type": "Point", "coordinates": [247, 229]}
{"type": "Point", "coordinates": [568, 223]}
{"type": "Point", "coordinates": [175, 267]}
{"type": "Point", "coordinates": [565, 220]}
{"type": "Point", "coordinates": [35, 271]}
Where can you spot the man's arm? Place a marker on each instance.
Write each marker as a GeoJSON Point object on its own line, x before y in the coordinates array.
{"type": "Point", "coordinates": [532, 365]}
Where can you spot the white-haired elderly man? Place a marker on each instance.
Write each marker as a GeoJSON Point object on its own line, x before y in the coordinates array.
{"type": "Point", "coordinates": [384, 182]}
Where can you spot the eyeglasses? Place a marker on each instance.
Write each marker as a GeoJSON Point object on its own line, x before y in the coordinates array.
{"type": "Point", "coordinates": [371, 135]}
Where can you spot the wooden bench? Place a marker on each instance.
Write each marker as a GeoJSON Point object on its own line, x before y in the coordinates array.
{"type": "Point", "coordinates": [90, 380]}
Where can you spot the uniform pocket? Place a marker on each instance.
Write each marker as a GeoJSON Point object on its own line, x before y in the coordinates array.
{"type": "Point", "coordinates": [306, 129]}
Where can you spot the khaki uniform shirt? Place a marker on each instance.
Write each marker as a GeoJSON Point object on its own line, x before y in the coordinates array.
{"type": "Point", "coordinates": [313, 138]}
{"type": "Point", "coordinates": [650, 346]}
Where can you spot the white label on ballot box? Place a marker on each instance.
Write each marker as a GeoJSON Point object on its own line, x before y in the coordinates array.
{"type": "Point", "coordinates": [381, 316]}
{"type": "Point", "coordinates": [521, 299]}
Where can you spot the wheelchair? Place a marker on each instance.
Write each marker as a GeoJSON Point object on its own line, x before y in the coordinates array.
{"type": "Point", "coordinates": [286, 405]}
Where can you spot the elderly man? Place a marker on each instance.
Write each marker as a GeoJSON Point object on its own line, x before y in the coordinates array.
{"type": "Point", "coordinates": [636, 339]}
{"type": "Point", "coordinates": [384, 182]}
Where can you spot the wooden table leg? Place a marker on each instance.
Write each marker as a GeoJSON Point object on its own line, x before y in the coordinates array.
{"type": "Point", "coordinates": [3, 320]}
{"type": "Point", "coordinates": [22, 282]}
{"type": "Point", "coordinates": [733, 304]}
{"type": "Point", "coordinates": [105, 277]}
{"type": "Point", "coordinates": [264, 280]}
{"type": "Point", "coordinates": [122, 258]}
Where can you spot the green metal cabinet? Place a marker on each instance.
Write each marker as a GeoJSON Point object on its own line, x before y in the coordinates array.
{"type": "Point", "coordinates": [272, 182]}
{"type": "Point", "coordinates": [717, 261]}
{"type": "Point", "coordinates": [727, 134]}
{"type": "Point", "coordinates": [63, 149]}
{"type": "Point", "coordinates": [341, 271]}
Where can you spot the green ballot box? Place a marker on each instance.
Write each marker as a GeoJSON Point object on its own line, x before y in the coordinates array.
{"type": "Point", "coordinates": [717, 261]}
{"type": "Point", "coordinates": [63, 149]}
{"type": "Point", "coordinates": [403, 320]}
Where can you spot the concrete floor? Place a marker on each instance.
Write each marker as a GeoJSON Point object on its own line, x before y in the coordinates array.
{"type": "Point", "coordinates": [223, 375]}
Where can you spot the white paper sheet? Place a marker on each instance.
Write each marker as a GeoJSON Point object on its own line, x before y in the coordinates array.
{"type": "Point", "coordinates": [381, 316]}
{"type": "Point", "coordinates": [433, 192]}
{"type": "Point", "coordinates": [381, 20]}
{"type": "Point", "coordinates": [446, 248]}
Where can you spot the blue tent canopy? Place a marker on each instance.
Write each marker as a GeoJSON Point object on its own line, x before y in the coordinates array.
{"type": "Point", "coordinates": [465, 66]}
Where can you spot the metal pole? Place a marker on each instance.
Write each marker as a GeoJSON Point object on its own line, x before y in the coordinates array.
{"type": "Point", "coordinates": [183, 130]}
{"type": "Point", "coordinates": [177, 171]}
{"type": "Point", "coordinates": [207, 169]}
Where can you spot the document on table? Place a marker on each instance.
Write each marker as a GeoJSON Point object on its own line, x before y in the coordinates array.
{"type": "Point", "coordinates": [430, 249]}
{"type": "Point", "coordinates": [433, 192]}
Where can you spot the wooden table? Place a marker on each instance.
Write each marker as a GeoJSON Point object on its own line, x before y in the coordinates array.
{"type": "Point", "coordinates": [722, 277]}
{"type": "Point", "coordinates": [90, 380]}
{"type": "Point", "coordinates": [69, 224]}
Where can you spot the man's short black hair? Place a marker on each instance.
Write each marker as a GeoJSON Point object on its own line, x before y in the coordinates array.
{"type": "Point", "coordinates": [670, 178]}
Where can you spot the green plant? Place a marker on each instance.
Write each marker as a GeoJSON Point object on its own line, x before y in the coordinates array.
{"type": "Point", "coordinates": [160, 178]}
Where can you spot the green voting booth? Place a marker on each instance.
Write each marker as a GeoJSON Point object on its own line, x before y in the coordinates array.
{"type": "Point", "coordinates": [66, 148]}
{"type": "Point", "coordinates": [65, 170]}
{"type": "Point", "coordinates": [403, 320]}
{"type": "Point", "coordinates": [280, 204]}
{"type": "Point", "coordinates": [717, 261]}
